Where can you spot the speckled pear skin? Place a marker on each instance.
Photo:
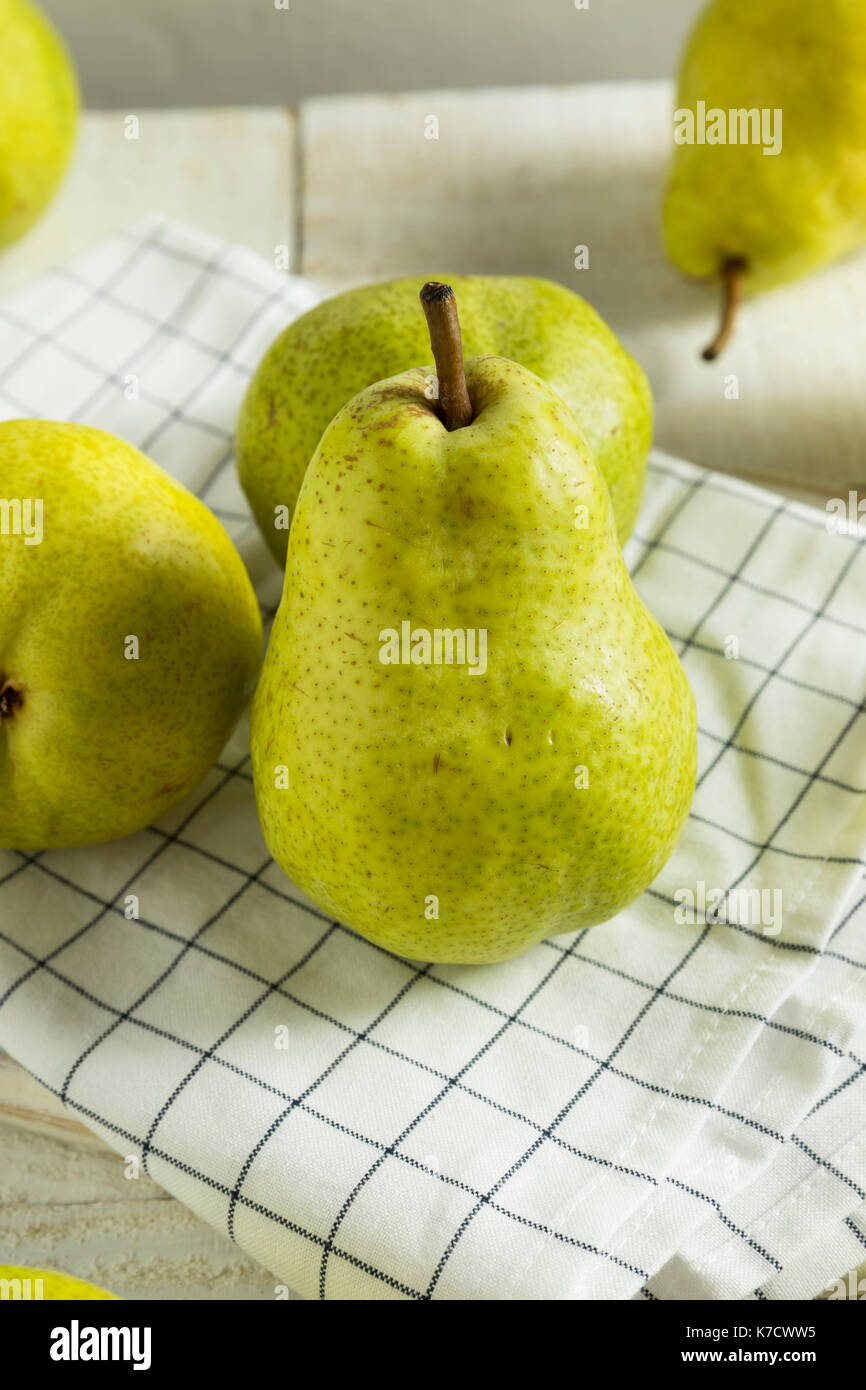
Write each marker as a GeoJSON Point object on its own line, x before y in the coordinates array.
{"type": "Point", "coordinates": [406, 781]}
{"type": "Point", "coordinates": [789, 213]}
{"type": "Point", "coordinates": [99, 745]}
{"type": "Point", "coordinates": [349, 342]}
{"type": "Point", "coordinates": [38, 115]}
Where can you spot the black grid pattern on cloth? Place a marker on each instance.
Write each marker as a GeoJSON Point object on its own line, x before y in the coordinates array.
{"type": "Point", "coordinates": [199, 398]}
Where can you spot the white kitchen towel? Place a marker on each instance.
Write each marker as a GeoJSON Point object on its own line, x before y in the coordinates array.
{"type": "Point", "coordinates": [661, 1107]}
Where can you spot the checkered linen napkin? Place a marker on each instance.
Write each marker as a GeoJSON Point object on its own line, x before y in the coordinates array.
{"type": "Point", "coordinates": [656, 1108]}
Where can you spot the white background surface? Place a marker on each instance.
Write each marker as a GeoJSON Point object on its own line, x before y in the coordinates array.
{"type": "Point", "coordinates": [353, 190]}
{"type": "Point", "coordinates": [208, 52]}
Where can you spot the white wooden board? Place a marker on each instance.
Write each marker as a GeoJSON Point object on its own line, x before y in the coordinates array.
{"type": "Point", "coordinates": [230, 172]}
{"type": "Point", "coordinates": [518, 178]}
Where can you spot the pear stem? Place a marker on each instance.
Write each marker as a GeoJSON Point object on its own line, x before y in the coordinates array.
{"type": "Point", "coordinates": [440, 308]}
{"type": "Point", "coordinates": [733, 275]}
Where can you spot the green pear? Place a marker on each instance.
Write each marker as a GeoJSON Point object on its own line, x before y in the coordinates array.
{"type": "Point", "coordinates": [328, 355]}
{"type": "Point", "coordinates": [469, 733]}
{"type": "Point", "coordinates": [38, 115]}
{"type": "Point", "coordinates": [130, 637]}
{"type": "Point", "coordinates": [786, 191]}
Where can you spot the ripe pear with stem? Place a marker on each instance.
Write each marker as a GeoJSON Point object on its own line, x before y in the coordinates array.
{"type": "Point", "coordinates": [775, 185]}
{"type": "Point", "coordinates": [449, 807]}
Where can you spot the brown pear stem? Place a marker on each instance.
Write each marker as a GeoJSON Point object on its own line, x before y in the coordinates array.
{"type": "Point", "coordinates": [733, 276]}
{"type": "Point", "coordinates": [440, 307]}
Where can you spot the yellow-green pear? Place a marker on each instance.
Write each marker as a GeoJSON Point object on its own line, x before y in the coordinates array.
{"type": "Point", "coordinates": [348, 342]}
{"type": "Point", "coordinates": [469, 732]}
{"type": "Point", "coordinates": [768, 179]}
{"type": "Point", "coordinates": [38, 115]}
{"type": "Point", "coordinates": [130, 637]}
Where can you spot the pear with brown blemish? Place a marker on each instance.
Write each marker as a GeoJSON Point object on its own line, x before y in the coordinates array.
{"type": "Point", "coordinates": [460, 811]}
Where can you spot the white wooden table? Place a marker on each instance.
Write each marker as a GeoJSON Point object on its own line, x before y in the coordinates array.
{"type": "Point", "coordinates": [356, 191]}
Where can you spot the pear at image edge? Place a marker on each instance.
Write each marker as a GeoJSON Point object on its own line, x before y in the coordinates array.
{"type": "Point", "coordinates": [365, 335]}
{"type": "Point", "coordinates": [96, 744]}
{"type": "Point", "coordinates": [753, 221]}
{"type": "Point", "coordinates": [39, 106]}
{"type": "Point", "coordinates": [54, 1285]}
{"type": "Point", "coordinates": [381, 786]}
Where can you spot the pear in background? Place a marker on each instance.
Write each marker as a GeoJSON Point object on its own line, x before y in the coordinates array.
{"type": "Point", "coordinates": [754, 220]}
{"type": "Point", "coordinates": [363, 336]}
{"type": "Point", "coordinates": [460, 812]}
{"type": "Point", "coordinates": [38, 115]}
{"type": "Point", "coordinates": [130, 637]}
